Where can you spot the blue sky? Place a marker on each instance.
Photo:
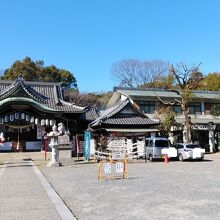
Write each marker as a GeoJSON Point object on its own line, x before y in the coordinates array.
{"type": "Point", "coordinates": [87, 36]}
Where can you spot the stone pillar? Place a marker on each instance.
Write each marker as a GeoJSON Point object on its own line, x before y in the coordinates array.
{"type": "Point", "coordinates": [211, 137]}
{"type": "Point", "coordinates": [171, 138]}
{"type": "Point", "coordinates": [211, 141]}
{"type": "Point", "coordinates": [203, 108]}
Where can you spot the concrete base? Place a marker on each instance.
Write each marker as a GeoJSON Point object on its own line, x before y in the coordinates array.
{"type": "Point", "coordinates": [65, 153]}
{"type": "Point", "coordinates": [53, 164]}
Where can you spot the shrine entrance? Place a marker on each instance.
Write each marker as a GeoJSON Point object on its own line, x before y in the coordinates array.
{"type": "Point", "coordinates": [19, 135]}
{"type": "Point", "coordinates": [23, 131]}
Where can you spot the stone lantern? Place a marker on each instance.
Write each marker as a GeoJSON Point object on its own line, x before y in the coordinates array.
{"type": "Point", "coordinates": [53, 138]}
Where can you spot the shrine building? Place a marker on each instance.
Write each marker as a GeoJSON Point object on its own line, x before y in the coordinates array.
{"type": "Point", "coordinates": [28, 110]}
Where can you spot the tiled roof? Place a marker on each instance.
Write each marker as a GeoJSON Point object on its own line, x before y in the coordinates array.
{"type": "Point", "coordinates": [154, 92]}
{"type": "Point", "coordinates": [48, 94]}
{"type": "Point", "coordinates": [20, 88]}
{"type": "Point", "coordinates": [117, 116]}
{"type": "Point", "coordinates": [128, 121]}
{"type": "Point", "coordinates": [91, 114]}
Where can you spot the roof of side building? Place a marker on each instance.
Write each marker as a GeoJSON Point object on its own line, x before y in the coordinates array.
{"type": "Point", "coordinates": [123, 113]}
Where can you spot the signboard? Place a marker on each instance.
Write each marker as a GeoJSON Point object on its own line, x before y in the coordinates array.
{"type": "Point", "coordinates": [199, 127]}
{"type": "Point", "coordinates": [119, 167]}
{"type": "Point", "coordinates": [39, 131]}
{"type": "Point", "coordinates": [107, 168]}
{"type": "Point", "coordinates": [65, 139]}
{"type": "Point", "coordinates": [112, 170]}
{"type": "Point", "coordinates": [81, 147]}
{"type": "Point", "coordinates": [118, 156]}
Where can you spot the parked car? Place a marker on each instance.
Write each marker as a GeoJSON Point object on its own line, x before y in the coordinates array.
{"type": "Point", "coordinates": [187, 151]}
{"type": "Point", "coordinates": [154, 146]}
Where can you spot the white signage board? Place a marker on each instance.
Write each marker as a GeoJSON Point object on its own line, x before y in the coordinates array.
{"type": "Point", "coordinates": [119, 167]}
{"type": "Point", "coordinates": [118, 156]}
{"type": "Point", "coordinates": [107, 168]}
{"type": "Point", "coordinates": [171, 151]}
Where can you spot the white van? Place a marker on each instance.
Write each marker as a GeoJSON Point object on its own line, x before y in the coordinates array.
{"type": "Point", "coordinates": [154, 146]}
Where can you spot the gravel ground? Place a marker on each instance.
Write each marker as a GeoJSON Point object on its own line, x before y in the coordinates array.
{"type": "Point", "coordinates": [178, 190]}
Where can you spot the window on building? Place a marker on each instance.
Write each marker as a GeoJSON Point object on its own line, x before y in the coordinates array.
{"type": "Point", "coordinates": [177, 109]}
{"type": "Point", "coordinates": [147, 106]}
{"type": "Point", "coordinates": [215, 109]}
{"type": "Point", "coordinates": [194, 108]}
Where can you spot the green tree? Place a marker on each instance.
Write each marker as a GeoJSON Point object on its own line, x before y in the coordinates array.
{"type": "Point", "coordinates": [167, 118]}
{"type": "Point", "coordinates": [215, 110]}
{"type": "Point", "coordinates": [103, 99]}
{"type": "Point", "coordinates": [36, 71]}
{"type": "Point", "coordinates": [210, 82]}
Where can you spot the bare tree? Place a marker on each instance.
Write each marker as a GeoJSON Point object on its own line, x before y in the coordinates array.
{"type": "Point", "coordinates": [187, 80]}
{"type": "Point", "coordinates": [99, 100]}
{"type": "Point", "coordinates": [80, 99]}
{"type": "Point", "coordinates": [135, 73]}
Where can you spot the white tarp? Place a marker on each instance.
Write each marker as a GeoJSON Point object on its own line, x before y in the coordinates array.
{"type": "Point", "coordinates": [197, 152]}
{"type": "Point", "coordinates": [33, 145]}
{"type": "Point", "coordinates": [5, 146]}
{"type": "Point", "coordinates": [92, 147]}
{"type": "Point", "coordinates": [171, 151]}
{"type": "Point", "coordinates": [140, 148]}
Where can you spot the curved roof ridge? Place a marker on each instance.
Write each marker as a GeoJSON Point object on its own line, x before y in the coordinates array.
{"type": "Point", "coordinates": [20, 82]}
{"type": "Point", "coordinates": [32, 82]}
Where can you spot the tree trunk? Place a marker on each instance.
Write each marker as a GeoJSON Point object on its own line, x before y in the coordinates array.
{"type": "Point", "coordinates": [187, 126]}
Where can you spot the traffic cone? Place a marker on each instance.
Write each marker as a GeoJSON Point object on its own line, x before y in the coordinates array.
{"type": "Point", "coordinates": [166, 159]}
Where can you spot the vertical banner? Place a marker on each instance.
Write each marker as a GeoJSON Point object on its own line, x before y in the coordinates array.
{"type": "Point", "coordinates": [77, 146]}
{"type": "Point", "coordinates": [39, 131]}
{"type": "Point", "coordinates": [87, 137]}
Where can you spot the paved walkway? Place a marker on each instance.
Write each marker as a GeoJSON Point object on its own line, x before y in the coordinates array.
{"type": "Point", "coordinates": [26, 195]}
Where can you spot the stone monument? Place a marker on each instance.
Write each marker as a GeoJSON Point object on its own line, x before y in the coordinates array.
{"type": "Point", "coordinates": [65, 146]}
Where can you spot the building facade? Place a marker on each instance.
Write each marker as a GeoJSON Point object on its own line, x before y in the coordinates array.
{"type": "Point", "coordinates": [205, 126]}
{"type": "Point", "coordinates": [123, 117]}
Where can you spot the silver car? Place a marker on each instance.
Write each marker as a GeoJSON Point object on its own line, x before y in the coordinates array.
{"type": "Point", "coordinates": [187, 151]}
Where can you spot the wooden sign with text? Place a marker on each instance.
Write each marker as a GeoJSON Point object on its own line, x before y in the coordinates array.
{"type": "Point", "coordinates": [65, 139]}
